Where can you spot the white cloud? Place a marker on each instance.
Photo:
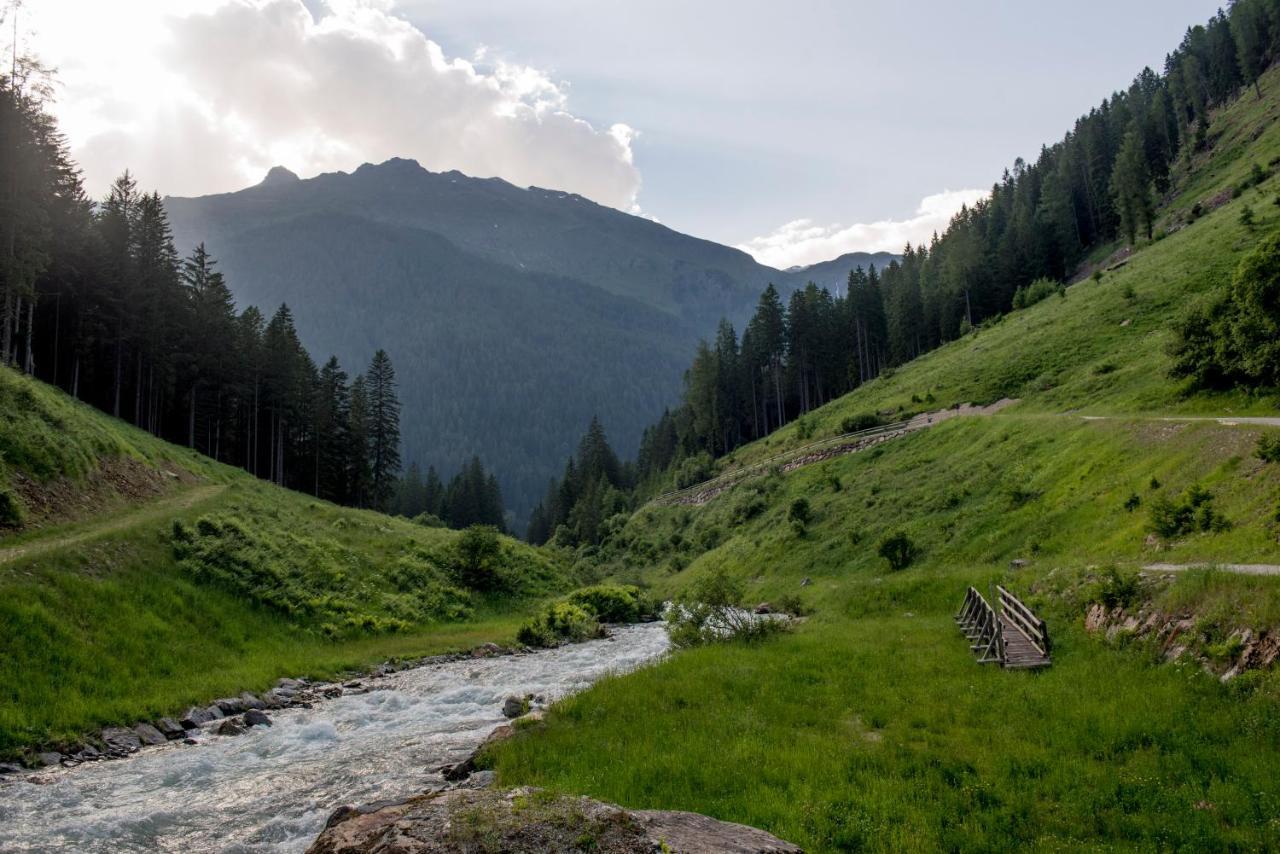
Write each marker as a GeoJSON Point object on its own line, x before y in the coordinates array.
{"type": "Point", "coordinates": [803, 242]}
{"type": "Point", "coordinates": [199, 96]}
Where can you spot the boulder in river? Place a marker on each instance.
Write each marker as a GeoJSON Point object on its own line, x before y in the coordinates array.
{"type": "Point", "coordinates": [531, 821]}
{"type": "Point", "coordinates": [251, 702]}
{"type": "Point", "coordinates": [149, 735]}
{"type": "Point", "coordinates": [514, 707]}
{"type": "Point", "coordinates": [230, 705]}
{"type": "Point", "coordinates": [256, 717]}
{"type": "Point", "coordinates": [120, 740]}
{"type": "Point", "coordinates": [49, 758]}
{"type": "Point", "coordinates": [196, 716]}
{"type": "Point", "coordinates": [230, 727]}
{"type": "Point", "coordinates": [171, 729]}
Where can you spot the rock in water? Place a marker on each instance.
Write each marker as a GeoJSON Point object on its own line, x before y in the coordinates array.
{"type": "Point", "coordinates": [230, 727]}
{"type": "Point", "coordinates": [171, 729]}
{"type": "Point", "coordinates": [148, 734]}
{"type": "Point", "coordinates": [196, 716]}
{"type": "Point", "coordinates": [532, 821]}
{"type": "Point", "coordinates": [49, 758]}
{"type": "Point", "coordinates": [120, 740]}
{"type": "Point", "coordinates": [255, 717]}
{"type": "Point", "coordinates": [513, 706]}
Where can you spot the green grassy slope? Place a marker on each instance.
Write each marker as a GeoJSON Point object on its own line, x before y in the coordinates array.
{"type": "Point", "coordinates": [1078, 353]}
{"type": "Point", "coordinates": [109, 615]}
{"type": "Point", "coordinates": [871, 727]}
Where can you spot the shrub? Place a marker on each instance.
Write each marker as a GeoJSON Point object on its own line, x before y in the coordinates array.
{"type": "Point", "coordinates": [1246, 217]}
{"type": "Point", "coordinates": [898, 549]}
{"type": "Point", "coordinates": [1192, 512]}
{"type": "Point", "coordinates": [804, 427]}
{"type": "Point", "coordinates": [711, 610]}
{"type": "Point", "coordinates": [10, 510]}
{"type": "Point", "coordinates": [477, 562]}
{"type": "Point", "coordinates": [800, 514]}
{"type": "Point", "coordinates": [1037, 291]}
{"type": "Point", "coordinates": [1269, 447]}
{"type": "Point", "coordinates": [1118, 590]}
{"type": "Point", "coordinates": [858, 423]}
{"type": "Point", "coordinates": [558, 623]}
{"type": "Point", "coordinates": [792, 604]}
{"type": "Point", "coordinates": [694, 470]}
{"type": "Point", "coordinates": [1197, 211]}
{"type": "Point", "coordinates": [615, 603]}
{"type": "Point", "coordinates": [1133, 502]}
{"type": "Point", "coordinates": [429, 520]}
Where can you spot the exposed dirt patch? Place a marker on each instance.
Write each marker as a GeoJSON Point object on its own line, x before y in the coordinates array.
{"type": "Point", "coordinates": [118, 480]}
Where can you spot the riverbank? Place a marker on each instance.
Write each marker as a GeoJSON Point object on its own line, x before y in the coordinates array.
{"type": "Point", "coordinates": [273, 788]}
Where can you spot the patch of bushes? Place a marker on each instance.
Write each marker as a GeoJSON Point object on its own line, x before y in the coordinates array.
{"type": "Point", "coordinates": [898, 550]}
{"type": "Point", "coordinates": [11, 515]}
{"type": "Point", "coordinates": [865, 421]}
{"type": "Point", "coordinates": [711, 610]}
{"type": "Point", "coordinates": [1133, 502]}
{"type": "Point", "coordinates": [429, 520]}
{"type": "Point", "coordinates": [800, 514]}
{"type": "Point", "coordinates": [1038, 290]}
{"type": "Point", "coordinates": [477, 561]}
{"type": "Point", "coordinates": [1117, 589]}
{"type": "Point", "coordinates": [1192, 512]}
{"type": "Point", "coordinates": [615, 603]}
{"type": "Point", "coordinates": [1268, 449]}
{"type": "Point", "coordinates": [559, 623]}
{"type": "Point", "coordinates": [804, 427]}
{"type": "Point", "coordinates": [694, 470]}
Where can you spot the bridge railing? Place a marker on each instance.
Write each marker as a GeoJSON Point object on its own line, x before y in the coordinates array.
{"type": "Point", "coordinates": [1024, 620]}
{"type": "Point", "coordinates": [981, 625]}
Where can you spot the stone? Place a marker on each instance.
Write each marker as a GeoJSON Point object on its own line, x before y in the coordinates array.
{"type": "Point", "coordinates": [276, 698]}
{"type": "Point", "coordinates": [230, 727]}
{"type": "Point", "coordinates": [118, 739]}
{"type": "Point", "coordinates": [251, 702]}
{"type": "Point", "coordinates": [332, 691]}
{"type": "Point", "coordinates": [189, 741]}
{"type": "Point", "coordinates": [230, 705]}
{"type": "Point", "coordinates": [171, 729]}
{"type": "Point", "coordinates": [11, 768]}
{"type": "Point", "coordinates": [426, 823]}
{"type": "Point", "coordinates": [87, 753]}
{"type": "Point", "coordinates": [763, 608]}
{"type": "Point", "coordinates": [290, 684]}
{"type": "Point", "coordinates": [196, 716]}
{"type": "Point", "coordinates": [1019, 563]}
{"type": "Point", "coordinates": [256, 717]}
{"type": "Point", "coordinates": [805, 582]}
{"type": "Point", "coordinates": [149, 735]}
{"type": "Point", "coordinates": [514, 707]}
{"type": "Point", "coordinates": [354, 683]}
{"type": "Point", "coordinates": [49, 758]}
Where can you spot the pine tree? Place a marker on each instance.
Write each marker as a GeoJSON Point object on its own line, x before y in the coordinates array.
{"type": "Point", "coordinates": [384, 429]}
{"type": "Point", "coordinates": [359, 478]}
{"type": "Point", "coordinates": [1131, 188]}
{"type": "Point", "coordinates": [333, 437]}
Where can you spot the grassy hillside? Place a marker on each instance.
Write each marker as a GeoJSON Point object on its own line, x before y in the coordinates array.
{"type": "Point", "coordinates": [144, 577]}
{"type": "Point", "coordinates": [1102, 348]}
{"type": "Point", "coordinates": [871, 727]}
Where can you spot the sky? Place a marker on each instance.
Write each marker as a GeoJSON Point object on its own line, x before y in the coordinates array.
{"type": "Point", "coordinates": [796, 131]}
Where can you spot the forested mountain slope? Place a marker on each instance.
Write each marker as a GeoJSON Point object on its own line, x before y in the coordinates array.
{"type": "Point", "coordinates": [512, 315]}
{"type": "Point", "coordinates": [138, 577]}
{"type": "Point", "coordinates": [871, 727]}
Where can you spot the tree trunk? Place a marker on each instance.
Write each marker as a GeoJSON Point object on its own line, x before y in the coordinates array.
{"type": "Point", "coordinates": [191, 419]}
{"type": "Point", "coordinates": [115, 407]}
{"type": "Point", "coordinates": [75, 379]}
{"type": "Point", "coordinates": [29, 363]}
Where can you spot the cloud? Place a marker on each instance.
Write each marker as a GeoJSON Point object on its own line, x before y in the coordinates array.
{"type": "Point", "coordinates": [803, 242]}
{"type": "Point", "coordinates": [199, 96]}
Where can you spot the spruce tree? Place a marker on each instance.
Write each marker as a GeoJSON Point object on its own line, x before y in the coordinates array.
{"type": "Point", "coordinates": [384, 429]}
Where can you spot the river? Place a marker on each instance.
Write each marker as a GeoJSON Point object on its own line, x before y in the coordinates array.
{"type": "Point", "coordinates": [271, 789]}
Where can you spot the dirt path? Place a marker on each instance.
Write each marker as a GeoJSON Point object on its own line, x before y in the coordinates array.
{"type": "Point", "coordinates": [1238, 568]}
{"type": "Point", "coordinates": [147, 513]}
{"type": "Point", "coordinates": [1226, 421]}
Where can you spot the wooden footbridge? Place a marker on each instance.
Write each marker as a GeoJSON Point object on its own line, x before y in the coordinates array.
{"type": "Point", "coordinates": [1013, 637]}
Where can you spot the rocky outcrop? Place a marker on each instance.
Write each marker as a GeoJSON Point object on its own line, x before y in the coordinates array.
{"type": "Point", "coordinates": [531, 821]}
{"type": "Point", "coordinates": [1178, 636]}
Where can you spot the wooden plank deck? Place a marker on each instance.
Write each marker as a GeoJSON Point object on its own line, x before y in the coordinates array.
{"type": "Point", "coordinates": [1019, 652]}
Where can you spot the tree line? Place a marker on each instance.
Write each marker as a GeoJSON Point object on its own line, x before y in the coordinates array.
{"type": "Point", "coordinates": [472, 497]}
{"type": "Point", "coordinates": [95, 299]}
{"type": "Point", "coordinates": [1099, 184]}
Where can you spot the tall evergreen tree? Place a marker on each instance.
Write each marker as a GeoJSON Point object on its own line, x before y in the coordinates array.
{"type": "Point", "coordinates": [384, 429]}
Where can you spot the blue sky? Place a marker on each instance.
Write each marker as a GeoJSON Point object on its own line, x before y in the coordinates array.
{"type": "Point", "coordinates": [796, 131]}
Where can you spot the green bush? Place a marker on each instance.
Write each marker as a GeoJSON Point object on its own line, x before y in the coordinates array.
{"type": "Point", "coordinates": [1118, 590]}
{"type": "Point", "coordinates": [804, 427]}
{"type": "Point", "coordinates": [1036, 291]}
{"type": "Point", "coordinates": [800, 514]}
{"type": "Point", "coordinates": [694, 470]}
{"type": "Point", "coordinates": [11, 515]}
{"type": "Point", "coordinates": [898, 549]}
{"type": "Point", "coordinates": [711, 610]}
{"type": "Point", "coordinates": [615, 603]}
{"type": "Point", "coordinates": [477, 562]}
{"type": "Point", "coordinates": [558, 623]}
{"type": "Point", "coordinates": [858, 423]}
{"type": "Point", "coordinates": [1192, 512]}
{"type": "Point", "coordinates": [429, 520]}
{"type": "Point", "coordinates": [1268, 449]}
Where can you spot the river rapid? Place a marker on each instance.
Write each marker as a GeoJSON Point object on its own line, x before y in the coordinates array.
{"type": "Point", "coordinates": [271, 789]}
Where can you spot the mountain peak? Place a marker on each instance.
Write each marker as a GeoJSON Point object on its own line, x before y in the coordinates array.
{"type": "Point", "coordinates": [277, 176]}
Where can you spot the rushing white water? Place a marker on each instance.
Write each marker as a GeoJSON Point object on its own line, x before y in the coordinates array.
{"type": "Point", "coordinates": [273, 788]}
